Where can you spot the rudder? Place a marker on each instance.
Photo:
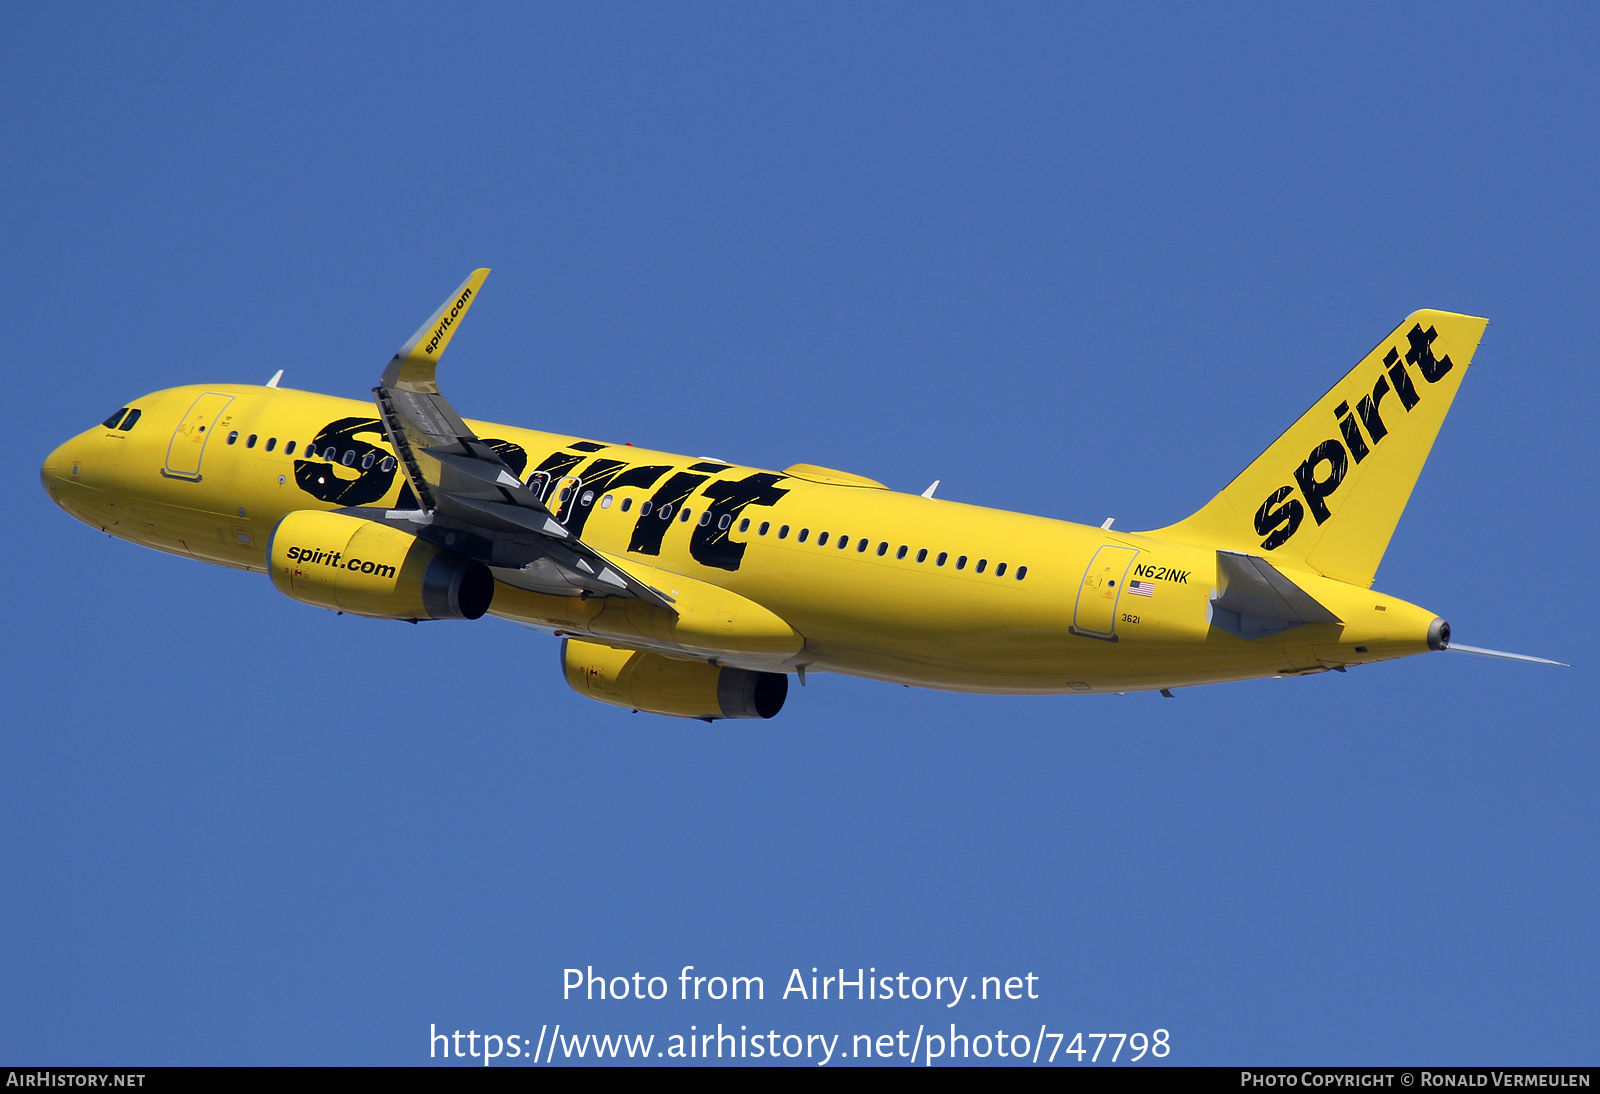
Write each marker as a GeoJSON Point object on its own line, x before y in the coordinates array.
{"type": "Point", "coordinates": [1328, 493]}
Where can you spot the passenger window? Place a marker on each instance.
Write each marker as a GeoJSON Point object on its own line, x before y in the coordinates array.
{"type": "Point", "coordinates": [941, 559]}
{"type": "Point", "coordinates": [349, 458]}
{"type": "Point", "coordinates": [801, 538]}
{"type": "Point", "coordinates": [388, 463]}
{"type": "Point", "coordinates": [605, 502]}
{"type": "Point", "coordinates": [128, 422]}
{"type": "Point", "coordinates": [862, 545]}
{"type": "Point", "coordinates": [722, 525]}
{"type": "Point", "coordinates": [763, 529]}
{"type": "Point", "coordinates": [587, 499]}
{"type": "Point", "coordinates": [685, 515]}
{"type": "Point", "coordinates": [744, 525]}
{"type": "Point", "coordinates": [111, 422]}
{"type": "Point", "coordinates": [665, 512]}
{"type": "Point", "coordinates": [368, 460]}
{"type": "Point", "coordinates": [999, 569]}
{"type": "Point", "coordinates": [705, 518]}
{"type": "Point", "coordinates": [822, 539]}
{"type": "Point", "coordinates": [233, 436]}
{"type": "Point", "coordinates": [982, 562]}
{"type": "Point", "coordinates": [844, 541]}
{"type": "Point", "coordinates": [922, 555]}
{"type": "Point", "coordinates": [961, 563]}
{"type": "Point", "coordinates": [288, 449]}
{"type": "Point", "coordinates": [783, 533]}
{"type": "Point", "coordinates": [272, 442]}
{"type": "Point", "coordinates": [644, 510]}
{"type": "Point", "coordinates": [330, 453]}
{"type": "Point", "coordinates": [250, 441]}
{"type": "Point", "coordinates": [883, 548]}
{"type": "Point", "coordinates": [901, 553]}
{"type": "Point", "coordinates": [1022, 572]}
{"type": "Point", "coordinates": [539, 482]}
{"type": "Point", "coordinates": [627, 503]}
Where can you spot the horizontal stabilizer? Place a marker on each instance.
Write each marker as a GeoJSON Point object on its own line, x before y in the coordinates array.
{"type": "Point", "coordinates": [1507, 656]}
{"type": "Point", "coordinates": [1257, 600]}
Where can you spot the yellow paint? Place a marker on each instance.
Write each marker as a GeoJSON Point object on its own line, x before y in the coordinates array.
{"type": "Point", "coordinates": [930, 618]}
{"type": "Point", "coordinates": [641, 680]}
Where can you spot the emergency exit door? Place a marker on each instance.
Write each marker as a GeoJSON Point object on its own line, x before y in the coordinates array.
{"type": "Point", "coordinates": [1095, 614]}
{"type": "Point", "coordinates": [188, 442]}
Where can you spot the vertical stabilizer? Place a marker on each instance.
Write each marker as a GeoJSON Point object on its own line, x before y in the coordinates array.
{"type": "Point", "coordinates": [1328, 493]}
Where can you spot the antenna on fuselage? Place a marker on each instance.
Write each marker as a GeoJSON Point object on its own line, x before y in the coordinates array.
{"type": "Point", "coordinates": [276, 376]}
{"type": "Point", "coordinates": [928, 493]}
{"type": "Point", "coordinates": [1107, 524]}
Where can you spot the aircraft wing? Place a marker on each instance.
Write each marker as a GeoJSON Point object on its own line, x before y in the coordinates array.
{"type": "Point", "coordinates": [1257, 600]}
{"type": "Point", "coordinates": [470, 500]}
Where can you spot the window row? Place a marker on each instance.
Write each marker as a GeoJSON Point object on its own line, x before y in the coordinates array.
{"type": "Point", "coordinates": [841, 542]}
{"type": "Point", "coordinates": [331, 453]}
{"type": "Point", "coordinates": [124, 419]}
{"type": "Point", "coordinates": [862, 544]}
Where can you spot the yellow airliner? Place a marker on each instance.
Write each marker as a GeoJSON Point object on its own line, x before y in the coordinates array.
{"type": "Point", "coordinates": [691, 587]}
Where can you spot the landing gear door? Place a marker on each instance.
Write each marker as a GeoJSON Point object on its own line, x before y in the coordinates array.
{"type": "Point", "coordinates": [188, 442]}
{"type": "Point", "coordinates": [1095, 614]}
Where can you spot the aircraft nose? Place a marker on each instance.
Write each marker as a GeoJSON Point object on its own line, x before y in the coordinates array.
{"type": "Point", "coordinates": [61, 468]}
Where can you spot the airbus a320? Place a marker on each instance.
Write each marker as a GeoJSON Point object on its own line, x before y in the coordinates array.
{"type": "Point", "coordinates": [692, 587]}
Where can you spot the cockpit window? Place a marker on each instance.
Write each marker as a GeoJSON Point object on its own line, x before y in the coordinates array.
{"type": "Point", "coordinates": [111, 422]}
{"type": "Point", "coordinates": [128, 422]}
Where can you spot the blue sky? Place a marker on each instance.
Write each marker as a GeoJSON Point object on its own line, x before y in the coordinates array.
{"type": "Point", "coordinates": [1078, 262]}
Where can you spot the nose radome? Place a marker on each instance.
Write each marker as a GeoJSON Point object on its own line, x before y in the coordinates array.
{"type": "Point", "coordinates": [60, 469]}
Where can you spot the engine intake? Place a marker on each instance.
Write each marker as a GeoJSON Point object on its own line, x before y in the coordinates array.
{"type": "Point", "coordinates": [366, 568]}
{"type": "Point", "coordinates": [650, 682]}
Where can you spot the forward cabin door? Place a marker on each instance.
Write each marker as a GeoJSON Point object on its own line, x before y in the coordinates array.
{"type": "Point", "coordinates": [1095, 615]}
{"type": "Point", "coordinates": [189, 439]}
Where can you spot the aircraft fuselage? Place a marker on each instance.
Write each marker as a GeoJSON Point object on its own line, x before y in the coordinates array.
{"type": "Point", "coordinates": [805, 569]}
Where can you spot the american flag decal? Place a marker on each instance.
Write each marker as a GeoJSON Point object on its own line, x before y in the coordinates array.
{"type": "Point", "coordinates": [1141, 588]}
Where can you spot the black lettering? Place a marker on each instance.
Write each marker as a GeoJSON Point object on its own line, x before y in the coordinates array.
{"type": "Point", "coordinates": [1352, 437]}
{"type": "Point", "coordinates": [553, 467]}
{"type": "Point", "coordinates": [1402, 382]}
{"type": "Point", "coordinates": [1421, 354]}
{"type": "Point", "coordinates": [320, 479]}
{"type": "Point", "coordinates": [1368, 409]}
{"type": "Point", "coordinates": [710, 545]}
{"type": "Point", "coordinates": [1183, 577]}
{"type": "Point", "coordinates": [647, 533]}
{"type": "Point", "coordinates": [603, 475]}
{"type": "Point", "coordinates": [1328, 452]}
{"type": "Point", "coordinates": [1279, 523]}
{"type": "Point", "coordinates": [514, 455]}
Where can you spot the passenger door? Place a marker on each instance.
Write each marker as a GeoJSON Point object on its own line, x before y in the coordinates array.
{"type": "Point", "coordinates": [1095, 614]}
{"type": "Point", "coordinates": [188, 442]}
{"type": "Point", "coordinates": [564, 498]}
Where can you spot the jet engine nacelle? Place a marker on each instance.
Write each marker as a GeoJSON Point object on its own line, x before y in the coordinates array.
{"type": "Point", "coordinates": [366, 568]}
{"type": "Point", "coordinates": [663, 685]}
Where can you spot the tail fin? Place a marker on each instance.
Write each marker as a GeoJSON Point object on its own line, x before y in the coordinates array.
{"type": "Point", "coordinates": [1327, 495]}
